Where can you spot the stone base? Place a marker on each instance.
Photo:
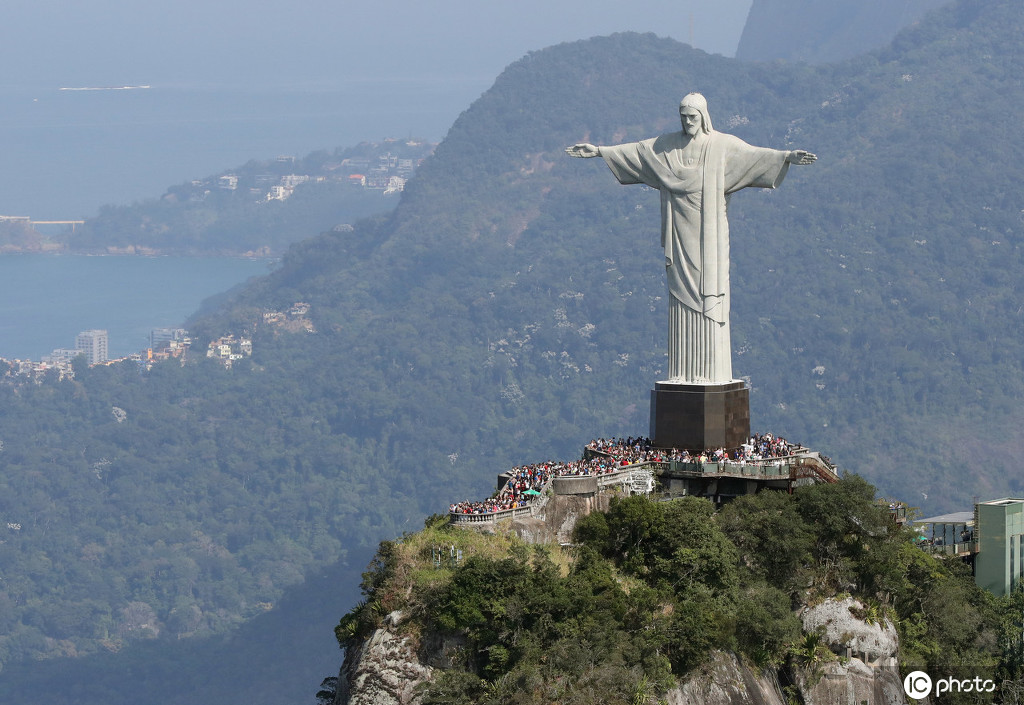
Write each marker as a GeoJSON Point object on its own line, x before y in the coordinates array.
{"type": "Point", "coordinates": [700, 416]}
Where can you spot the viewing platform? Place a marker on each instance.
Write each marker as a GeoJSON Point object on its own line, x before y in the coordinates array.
{"type": "Point", "coordinates": [722, 481]}
{"type": "Point", "coordinates": [949, 534]}
{"type": "Point", "coordinates": [717, 481]}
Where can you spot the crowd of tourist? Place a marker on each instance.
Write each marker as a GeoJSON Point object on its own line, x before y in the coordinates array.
{"type": "Point", "coordinates": [761, 446]}
{"type": "Point", "coordinates": [603, 456]}
{"type": "Point", "coordinates": [525, 478]}
{"type": "Point", "coordinates": [629, 451]}
{"type": "Point", "coordinates": [527, 481]}
{"type": "Point", "coordinates": [766, 445]}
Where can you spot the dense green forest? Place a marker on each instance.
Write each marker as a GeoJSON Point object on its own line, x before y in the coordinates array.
{"type": "Point", "coordinates": [186, 514]}
{"type": "Point", "coordinates": [649, 589]}
{"type": "Point", "coordinates": [512, 307]}
{"type": "Point", "coordinates": [277, 658]}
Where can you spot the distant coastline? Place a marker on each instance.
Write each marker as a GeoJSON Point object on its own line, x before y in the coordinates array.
{"type": "Point", "coordinates": [101, 88]}
{"type": "Point", "coordinates": [50, 298]}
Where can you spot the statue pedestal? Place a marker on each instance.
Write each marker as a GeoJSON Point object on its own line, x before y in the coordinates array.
{"type": "Point", "coordinates": [700, 416]}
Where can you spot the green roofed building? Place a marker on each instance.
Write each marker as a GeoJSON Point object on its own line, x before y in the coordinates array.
{"type": "Point", "coordinates": [999, 564]}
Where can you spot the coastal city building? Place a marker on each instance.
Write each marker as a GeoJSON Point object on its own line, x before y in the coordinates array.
{"type": "Point", "coordinates": [160, 338]}
{"type": "Point", "coordinates": [385, 172]}
{"type": "Point", "coordinates": [229, 348]}
{"type": "Point", "coordinates": [61, 356]}
{"type": "Point", "coordinates": [164, 344]}
{"type": "Point", "coordinates": [93, 344]}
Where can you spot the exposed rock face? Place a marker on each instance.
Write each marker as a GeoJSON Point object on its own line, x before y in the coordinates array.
{"type": "Point", "coordinates": [554, 522]}
{"type": "Point", "coordinates": [559, 518]}
{"type": "Point", "coordinates": [851, 683]}
{"type": "Point", "coordinates": [726, 681]}
{"type": "Point", "coordinates": [868, 674]}
{"type": "Point", "coordinates": [387, 667]}
{"type": "Point", "coordinates": [383, 670]}
{"type": "Point", "coordinates": [849, 636]}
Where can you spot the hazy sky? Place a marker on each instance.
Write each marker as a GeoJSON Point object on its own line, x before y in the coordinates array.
{"type": "Point", "coordinates": [235, 80]}
{"type": "Point", "coordinates": [133, 41]}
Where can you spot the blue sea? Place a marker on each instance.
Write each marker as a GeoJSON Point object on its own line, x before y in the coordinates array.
{"type": "Point", "coordinates": [66, 153]}
{"type": "Point", "coordinates": [46, 300]}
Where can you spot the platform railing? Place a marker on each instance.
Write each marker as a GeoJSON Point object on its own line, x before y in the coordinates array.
{"type": "Point", "coordinates": [536, 505]}
{"type": "Point", "coordinates": [801, 464]}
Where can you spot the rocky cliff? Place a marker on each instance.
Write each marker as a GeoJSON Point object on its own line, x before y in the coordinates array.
{"type": "Point", "coordinates": [386, 668]}
{"type": "Point", "coordinates": [848, 654]}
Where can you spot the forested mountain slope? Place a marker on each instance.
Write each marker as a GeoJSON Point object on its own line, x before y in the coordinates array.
{"type": "Point", "coordinates": [512, 307]}
{"type": "Point", "coordinates": [517, 293]}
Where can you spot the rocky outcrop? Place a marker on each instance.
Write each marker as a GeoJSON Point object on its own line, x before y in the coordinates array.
{"type": "Point", "coordinates": [858, 666]}
{"type": "Point", "coordinates": [383, 670]}
{"type": "Point", "coordinates": [873, 643]}
{"type": "Point", "coordinates": [725, 680]}
{"type": "Point", "coordinates": [850, 682]}
{"type": "Point", "coordinates": [559, 517]}
{"type": "Point", "coordinates": [866, 668]}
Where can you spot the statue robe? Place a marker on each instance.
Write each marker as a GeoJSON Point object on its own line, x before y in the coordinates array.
{"type": "Point", "coordinates": [695, 237]}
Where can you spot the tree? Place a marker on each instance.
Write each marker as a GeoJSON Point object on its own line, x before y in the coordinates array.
{"type": "Point", "coordinates": [328, 691]}
{"type": "Point", "coordinates": [771, 536]}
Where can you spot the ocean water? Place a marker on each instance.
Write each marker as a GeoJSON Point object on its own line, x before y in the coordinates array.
{"type": "Point", "coordinates": [66, 153]}
{"type": "Point", "coordinates": [46, 300]}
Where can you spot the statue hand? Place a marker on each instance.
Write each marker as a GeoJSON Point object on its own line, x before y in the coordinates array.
{"type": "Point", "coordinates": [583, 150]}
{"type": "Point", "coordinates": [801, 157]}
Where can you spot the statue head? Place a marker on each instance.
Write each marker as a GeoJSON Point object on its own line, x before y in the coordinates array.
{"type": "Point", "coordinates": [693, 105]}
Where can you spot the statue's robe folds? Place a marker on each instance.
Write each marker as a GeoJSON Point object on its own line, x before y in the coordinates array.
{"type": "Point", "coordinates": [695, 236]}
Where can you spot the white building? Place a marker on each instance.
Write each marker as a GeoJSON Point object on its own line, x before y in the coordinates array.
{"type": "Point", "coordinates": [93, 344]}
{"type": "Point", "coordinates": [279, 193]}
{"type": "Point", "coordinates": [60, 355]}
{"type": "Point", "coordinates": [293, 180]}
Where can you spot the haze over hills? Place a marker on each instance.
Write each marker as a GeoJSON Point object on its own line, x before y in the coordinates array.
{"type": "Point", "coordinates": [852, 315]}
{"type": "Point", "coordinates": [258, 208]}
{"type": "Point", "coordinates": [512, 307]}
{"type": "Point", "coordinates": [817, 32]}
{"type": "Point", "coordinates": [237, 80]}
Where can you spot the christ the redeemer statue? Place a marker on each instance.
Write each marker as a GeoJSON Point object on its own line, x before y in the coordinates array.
{"type": "Point", "coordinates": [696, 170]}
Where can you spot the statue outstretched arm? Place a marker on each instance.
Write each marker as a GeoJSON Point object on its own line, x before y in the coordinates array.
{"type": "Point", "coordinates": [801, 157]}
{"type": "Point", "coordinates": [584, 150]}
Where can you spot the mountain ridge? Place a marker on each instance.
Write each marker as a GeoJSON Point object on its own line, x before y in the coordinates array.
{"type": "Point", "coordinates": [835, 206]}
{"type": "Point", "coordinates": [798, 30]}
